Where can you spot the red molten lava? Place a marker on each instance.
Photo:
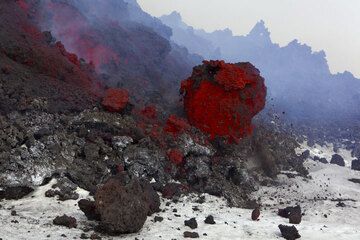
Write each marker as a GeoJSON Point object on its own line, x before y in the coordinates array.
{"type": "Point", "coordinates": [221, 99]}
{"type": "Point", "coordinates": [115, 99]}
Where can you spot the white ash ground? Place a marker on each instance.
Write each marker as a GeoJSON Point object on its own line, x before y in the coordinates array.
{"type": "Point", "coordinates": [317, 196]}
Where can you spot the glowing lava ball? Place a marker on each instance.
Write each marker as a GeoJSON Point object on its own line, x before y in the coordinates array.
{"type": "Point", "coordinates": [221, 99]}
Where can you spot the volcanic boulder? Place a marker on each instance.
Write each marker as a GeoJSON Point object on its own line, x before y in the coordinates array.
{"type": "Point", "coordinates": [115, 99]}
{"type": "Point", "coordinates": [122, 206]}
{"type": "Point", "coordinates": [221, 99]}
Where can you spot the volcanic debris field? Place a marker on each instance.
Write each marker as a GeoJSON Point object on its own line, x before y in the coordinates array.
{"type": "Point", "coordinates": [96, 143]}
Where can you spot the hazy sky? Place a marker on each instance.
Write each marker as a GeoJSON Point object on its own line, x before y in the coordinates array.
{"type": "Point", "coordinates": [332, 25]}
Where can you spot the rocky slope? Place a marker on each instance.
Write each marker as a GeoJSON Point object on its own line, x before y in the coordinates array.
{"type": "Point", "coordinates": [57, 122]}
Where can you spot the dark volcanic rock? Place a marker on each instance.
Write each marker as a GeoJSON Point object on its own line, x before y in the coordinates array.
{"type": "Point", "coordinates": [66, 221]}
{"type": "Point", "coordinates": [171, 189]}
{"type": "Point", "coordinates": [255, 214]}
{"type": "Point", "coordinates": [293, 212]}
{"type": "Point", "coordinates": [289, 232]}
{"type": "Point", "coordinates": [151, 196]}
{"type": "Point", "coordinates": [210, 220]}
{"type": "Point", "coordinates": [64, 188]}
{"type": "Point", "coordinates": [15, 192]}
{"type": "Point", "coordinates": [122, 206]}
{"type": "Point", "coordinates": [191, 223]}
{"type": "Point", "coordinates": [338, 160]}
{"type": "Point", "coordinates": [355, 165]}
{"type": "Point", "coordinates": [191, 235]}
{"type": "Point", "coordinates": [295, 217]}
{"type": "Point", "coordinates": [89, 208]}
{"type": "Point", "coordinates": [158, 219]}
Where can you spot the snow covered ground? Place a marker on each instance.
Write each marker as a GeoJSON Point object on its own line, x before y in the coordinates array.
{"type": "Point", "coordinates": [317, 196]}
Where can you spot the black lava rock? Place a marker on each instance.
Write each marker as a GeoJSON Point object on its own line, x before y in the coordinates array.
{"type": "Point", "coordinates": [66, 221]}
{"type": "Point", "coordinates": [255, 214]}
{"type": "Point", "coordinates": [191, 235]}
{"type": "Point", "coordinates": [286, 212]}
{"type": "Point", "coordinates": [15, 193]}
{"type": "Point", "coordinates": [209, 220]}
{"type": "Point", "coordinates": [158, 219]}
{"type": "Point", "coordinates": [122, 206]}
{"type": "Point", "coordinates": [289, 232]}
{"type": "Point", "coordinates": [191, 223]}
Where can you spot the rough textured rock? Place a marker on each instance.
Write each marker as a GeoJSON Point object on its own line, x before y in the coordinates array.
{"type": "Point", "coordinates": [338, 160]}
{"type": "Point", "coordinates": [191, 235]}
{"type": "Point", "coordinates": [221, 99]}
{"type": "Point", "coordinates": [210, 220]}
{"type": "Point", "coordinates": [89, 208]}
{"type": "Point", "coordinates": [191, 223]}
{"type": "Point", "coordinates": [15, 192]}
{"type": "Point", "coordinates": [66, 221]}
{"type": "Point", "coordinates": [289, 232]}
{"type": "Point", "coordinates": [286, 212]}
{"type": "Point", "coordinates": [151, 197]}
{"type": "Point", "coordinates": [122, 205]}
{"type": "Point", "coordinates": [64, 189]}
{"type": "Point", "coordinates": [255, 214]}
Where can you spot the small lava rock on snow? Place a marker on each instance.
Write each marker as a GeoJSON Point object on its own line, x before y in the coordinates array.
{"type": "Point", "coordinates": [191, 223]}
{"type": "Point", "coordinates": [290, 211]}
{"type": "Point", "coordinates": [255, 214]}
{"type": "Point", "coordinates": [158, 219]}
{"type": "Point", "coordinates": [289, 232]}
{"type": "Point", "coordinates": [209, 220]}
{"type": "Point", "coordinates": [191, 235]}
{"type": "Point", "coordinates": [66, 221]}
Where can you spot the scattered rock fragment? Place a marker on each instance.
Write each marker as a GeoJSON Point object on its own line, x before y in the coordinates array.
{"type": "Point", "coordinates": [191, 223]}
{"type": "Point", "coordinates": [340, 204]}
{"type": "Point", "coordinates": [255, 214]}
{"type": "Point", "coordinates": [158, 219]}
{"type": "Point", "coordinates": [289, 232]}
{"type": "Point", "coordinates": [286, 212]}
{"type": "Point", "coordinates": [210, 220]}
{"type": "Point", "coordinates": [66, 221]}
{"type": "Point", "coordinates": [191, 235]}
